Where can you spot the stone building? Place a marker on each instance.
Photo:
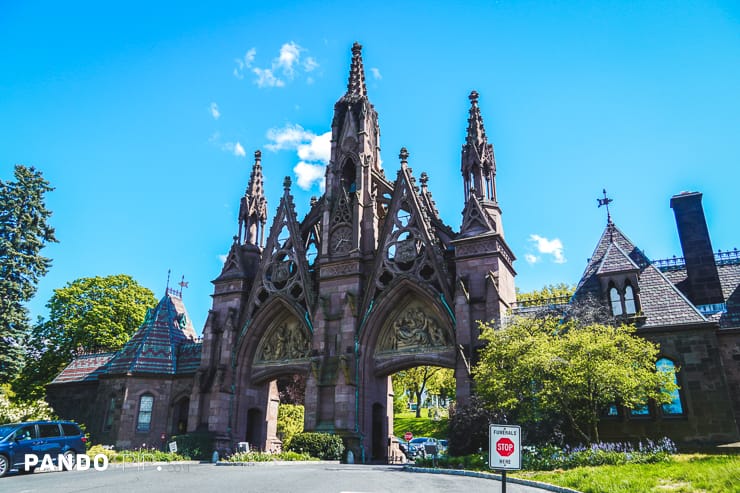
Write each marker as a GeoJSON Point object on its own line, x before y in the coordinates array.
{"type": "Point", "coordinates": [371, 281]}
{"type": "Point", "coordinates": [690, 306]}
{"type": "Point", "coordinates": [134, 396]}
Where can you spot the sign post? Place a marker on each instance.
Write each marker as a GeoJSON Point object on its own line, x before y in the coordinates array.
{"type": "Point", "coordinates": [505, 450]}
{"type": "Point", "coordinates": [408, 436]}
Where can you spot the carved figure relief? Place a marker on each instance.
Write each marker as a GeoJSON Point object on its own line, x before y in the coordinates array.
{"type": "Point", "coordinates": [414, 329]}
{"type": "Point", "coordinates": [286, 341]}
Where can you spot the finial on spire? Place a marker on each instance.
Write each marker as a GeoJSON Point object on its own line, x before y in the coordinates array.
{"type": "Point", "coordinates": [287, 182]}
{"type": "Point", "coordinates": [257, 156]}
{"type": "Point", "coordinates": [167, 288]}
{"type": "Point", "coordinates": [473, 96]}
{"type": "Point", "coordinates": [605, 202]}
{"type": "Point", "coordinates": [356, 85]}
{"type": "Point", "coordinates": [403, 155]}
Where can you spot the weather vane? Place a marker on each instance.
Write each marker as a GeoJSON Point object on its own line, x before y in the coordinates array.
{"type": "Point", "coordinates": [183, 284]}
{"type": "Point", "coordinates": [605, 202]}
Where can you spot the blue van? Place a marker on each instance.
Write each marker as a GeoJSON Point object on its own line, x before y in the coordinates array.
{"type": "Point", "coordinates": [40, 438]}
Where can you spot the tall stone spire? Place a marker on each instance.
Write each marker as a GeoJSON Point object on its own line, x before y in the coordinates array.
{"type": "Point", "coordinates": [356, 88]}
{"type": "Point", "coordinates": [253, 207]}
{"type": "Point", "coordinates": [478, 164]}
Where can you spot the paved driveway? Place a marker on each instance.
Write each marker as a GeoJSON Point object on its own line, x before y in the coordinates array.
{"type": "Point", "coordinates": [323, 478]}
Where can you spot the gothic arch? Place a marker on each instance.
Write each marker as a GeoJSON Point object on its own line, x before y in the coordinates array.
{"type": "Point", "coordinates": [407, 327]}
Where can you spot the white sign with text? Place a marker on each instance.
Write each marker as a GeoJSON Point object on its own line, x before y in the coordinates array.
{"type": "Point", "coordinates": [505, 447]}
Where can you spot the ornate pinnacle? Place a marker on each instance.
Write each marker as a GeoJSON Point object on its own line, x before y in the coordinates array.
{"type": "Point", "coordinates": [287, 182]}
{"type": "Point", "coordinates": [473, 96]}
{"type": "Point", "coordinates": [403, 155]}
{"type": "Point", "coordinates": [424, 178]}
{"type": "Point", "coordinates": [258, 155]}
{"type": "Point", "coordinates": [356, 84]}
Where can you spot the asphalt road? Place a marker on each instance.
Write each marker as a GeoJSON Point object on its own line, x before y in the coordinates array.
{"type": "Point", "coordinates": [320, 478]}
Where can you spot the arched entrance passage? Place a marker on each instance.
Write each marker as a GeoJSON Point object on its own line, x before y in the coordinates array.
{"type": "Point", "coordinates": [409, 328]}
{"type": "Point", "coordinates": [276, 344]}
{"type": "Point", "coordinates": [180, 410]}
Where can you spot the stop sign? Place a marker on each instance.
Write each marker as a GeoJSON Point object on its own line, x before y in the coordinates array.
{"type": "Point", "coordinates": [408, 436]}
{"type": "Point", "coordinates": [505, 447]}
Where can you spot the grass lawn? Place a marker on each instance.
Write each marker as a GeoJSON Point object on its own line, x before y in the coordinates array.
{"type": "Point", "coordinates": [420, 427]}
{"type": "Point", "coordinates": [686, 473]}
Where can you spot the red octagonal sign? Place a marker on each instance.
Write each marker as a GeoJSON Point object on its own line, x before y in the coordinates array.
{"type": "Point", "coordinates": [505, 447]}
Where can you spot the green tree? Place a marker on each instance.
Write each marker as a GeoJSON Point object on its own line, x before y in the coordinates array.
{"type": "Point", "coordinates": [90, 314]}
{"type": "Point", "coordinates": [415, 381]}
{"type": "Point", "coordinates": [443, 384]}
{"type": "Point", "coordinates": [540, 365]}
{"type": "Point", "coordinates": [13, 410]}
{"type": "Point", "coordinates": [400, 399]}
{"type": "Point", "coordinates": [547, 292]}
{"type": "Point", "coordinates": [24, 232]}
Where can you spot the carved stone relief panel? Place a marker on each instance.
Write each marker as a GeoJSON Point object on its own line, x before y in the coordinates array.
{"type": "Point", "coordinates": [284, 341]}
{"type": "Point", "coordinates": [414, 329]}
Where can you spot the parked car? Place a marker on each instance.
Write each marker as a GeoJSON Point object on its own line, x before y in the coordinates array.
{"type": "Point", "coordinates": [40, 438]}
{"type": "Point", "coordinates": [417, 446]}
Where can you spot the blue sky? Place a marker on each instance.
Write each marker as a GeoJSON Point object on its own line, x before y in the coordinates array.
{"type": "Point", "coordinates": [145, 118]}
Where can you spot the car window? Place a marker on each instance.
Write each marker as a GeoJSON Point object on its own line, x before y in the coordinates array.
{"type": "Point", "coordinates": [70, 430]}
{"type": "Point", "coordinates": [5, 431]}
{"type": "Point", "coordinates": [27, 432]}
{"type": "Point", "coordinates": [49, 430]}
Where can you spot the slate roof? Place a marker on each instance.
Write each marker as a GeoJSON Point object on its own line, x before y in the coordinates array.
{"type": "Point", "coordinates": [661, 303]}
{"type": "Point", "coordinates": [154, 347]}
{"type": "Point", "coordinates": [84, 368]}
{"type": "Point", "coordinates": [188, 357]}
{"type": "Point", "coordinates": [729, 277]}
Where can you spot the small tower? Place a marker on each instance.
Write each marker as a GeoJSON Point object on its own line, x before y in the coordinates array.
{"type": "Point", "coordinates": [483, 261]}
{"type": "Point", "coordinates": [253, 207]}
{"type": "Point", "coordinates": [353, 168]}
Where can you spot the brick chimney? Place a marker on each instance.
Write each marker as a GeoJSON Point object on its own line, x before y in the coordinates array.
{"type": "Point", "coordinates": [702, 286]}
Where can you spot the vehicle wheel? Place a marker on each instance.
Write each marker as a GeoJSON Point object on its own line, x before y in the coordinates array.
{"type": "Point", "coordinates": [69, 458]}
{"type": "Point", "coordinates": [4, 465]}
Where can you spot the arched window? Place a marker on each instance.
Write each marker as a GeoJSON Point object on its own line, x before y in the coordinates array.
{"type": "Point", "coordinates": [629, 300]}
{"type": "Point", "coordinates": [144, 420]}
{"type": "Point", "coordinates": [616, 301]}
{"type": "Point", "coordinates": [674, 407]}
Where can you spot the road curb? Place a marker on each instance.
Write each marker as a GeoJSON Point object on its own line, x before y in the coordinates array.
{"type": "Point", "coordinates": [278, 463]}
{"type": "Point", "coordinates": [488, 475]}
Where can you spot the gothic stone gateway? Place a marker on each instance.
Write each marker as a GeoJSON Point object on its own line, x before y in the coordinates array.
{"type": "Point", "coordinates": [370, 282]}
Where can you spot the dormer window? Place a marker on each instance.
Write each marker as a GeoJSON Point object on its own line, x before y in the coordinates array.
{"type": "Point", "coordinates": [622, 302]}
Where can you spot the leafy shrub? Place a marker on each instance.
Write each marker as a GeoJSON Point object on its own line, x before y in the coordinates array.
{"type": "Point", "coordinates": [147, 455]}
{"type": "Point", "coordinates": [468, 426]}
{"type": "Point", "coordinates": [15, 410]}
{"type": "Point", "coordinates": [99, 449]}
{"type": "Point", "coordinates": [320, 445]}
{"type": "Point", "coordinates": [289, 422]}
{"type": "Point", "coordinates": [198, 445]}
{"type": "Point", "coordinates": [265, 457]}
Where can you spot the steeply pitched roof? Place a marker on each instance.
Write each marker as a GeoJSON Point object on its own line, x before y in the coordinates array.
{"type": "Point", "coordinates": [84, 368]}
{"type": "Point", "coordinates": [661, 302]}
{"type": "Point", "coordinates": [153, 348]}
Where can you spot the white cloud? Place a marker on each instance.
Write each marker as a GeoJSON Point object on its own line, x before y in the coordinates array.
{"type": "Point", "coordinates": [308, 174]}
{"type": "Point", "coordinates": [215, 113]}
{"type": "Point", "coordinates": [552, 247]}
{"type": "Point", "coordinates": [313, 152]}
{"type": "Point", "coordinates": [376, 73]}
{"type": "Point", "coordinates": [286, 66]}
{"type": "Point", "coordinates": [290, 53]}
{"type": "Point", "coordinates": [310, 64]}
{"type": "Point", "coordinates": [531, 259]}
{"type": "Point", "coordinates": [317, 149]}
{"type": "Point", "coordinates": [246, 62]}
{"type": "Point", "coordinates": [235, 148]}
{"type": "Point", "coordinates": [265, 78]}
{"type": "Point", "coordinates": [223, 258]}
{"type": "Point", "coordinates": [288, 137]}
